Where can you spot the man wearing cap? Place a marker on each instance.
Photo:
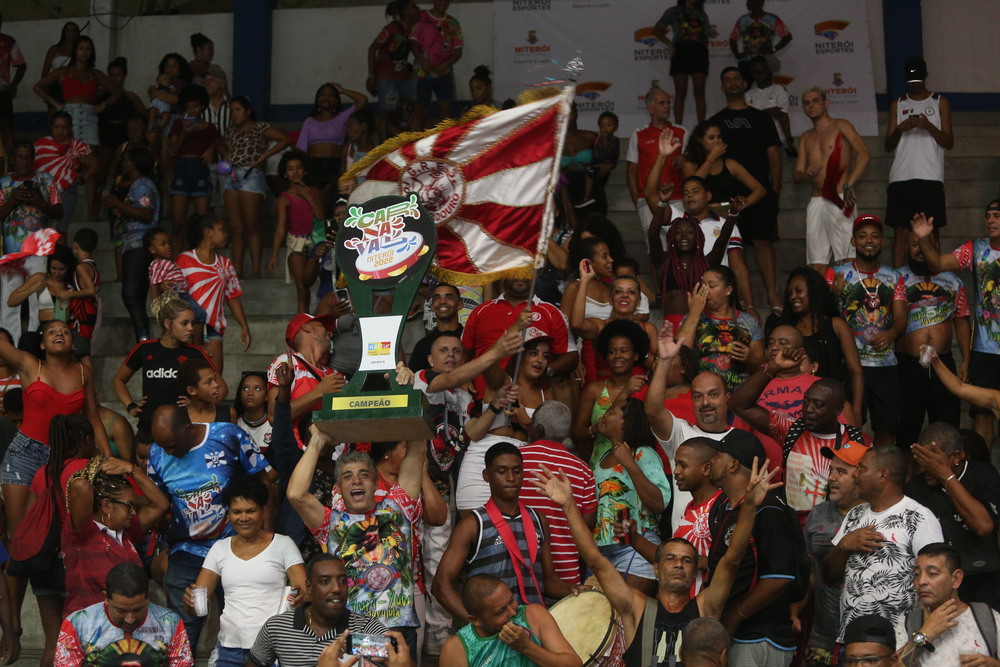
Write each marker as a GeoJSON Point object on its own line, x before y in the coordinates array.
{"type": "Point", "coordinates": [217, 113]}
{"type": "Point", "coordinates": [942, 628]}
{"type": "Point", "coordinates": [806, 472]}
{"type": "Point", "coordinates": [757, 610]}
{"type": "Point", "coordinates": [710, 400]}
{"type": "Point", "coordinates": [825, 155]}
{"type": "Point", "coordinates": [872, 300]}
{"type": "Point", "coordinates": [919, 131]}
{"type": "Point", "coordinates": [308, 341]}
{"type": "Point", "coordinates": [965, 497]}
{"type": "Point", "coordinates": [870, 641]}
{"type": "Point", "coordinates": [821, 526]}
{"type": "Point", "coordinates": [878, 542]}
{"type": "Point", "coordinates": [982, 257]}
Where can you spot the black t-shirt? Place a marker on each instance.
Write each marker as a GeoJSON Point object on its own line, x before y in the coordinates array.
{"type": "Point", "coordinates": [159, 365]}
{"type": "Point", "coordinates": [748, 134]}
{"type": "Point", "coordinates": [982, 481]}
{"type": "Point", "coordinates": [771, 554]}
{"type": "Point", "coordinates": [418, 358]}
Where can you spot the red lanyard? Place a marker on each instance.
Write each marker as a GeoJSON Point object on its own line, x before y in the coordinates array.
{"type": "Point", "coordinates": [509, 541]}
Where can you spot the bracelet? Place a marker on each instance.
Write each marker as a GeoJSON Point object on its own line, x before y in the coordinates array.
{"type": "Point", "coordinates": [494, 409]}
{"type": "Point", "coordinates": [948, 480]}
{"type": "Point", "coordinates": [131, 406]}
{"type": "Point", "coordinates": [132, 471]}
{"type": "Point", "coordinates": [740, 612]}
{"type": "Point", "coordinates": [848, 186]}
{"type": "Point", "coordinates": [663, 204]}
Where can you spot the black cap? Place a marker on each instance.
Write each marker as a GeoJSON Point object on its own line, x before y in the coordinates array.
{"type": "Point", "coordinates": [742, 446]}
{"type": "Point", "coordinates": [916, 70]}
{"type": "Point", "coordinates": [871, 628]}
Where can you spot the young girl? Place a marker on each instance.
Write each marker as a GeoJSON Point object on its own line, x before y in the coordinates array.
{"type": "Point", "coordinates": [359, 136]}
{"type": "Point", "coordinates": [297, 206]}
{"type": "Point", "coordinates": [249, 410]}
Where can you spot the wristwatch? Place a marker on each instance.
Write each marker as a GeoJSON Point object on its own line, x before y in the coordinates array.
{"type": "Point", "coordinates": [919, 640]}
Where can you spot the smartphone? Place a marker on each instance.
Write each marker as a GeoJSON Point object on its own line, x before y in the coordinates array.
{"type": "Point", "coordinates": [191, 120]}
{"type": "Point", "coordinates": [330, 229]}
{"type": "Point", "coordinates": [342, 294]}
{"type": "Point", "coordinates": [587, 266]}
{"type": "Point", "coordinates": [369, 646]}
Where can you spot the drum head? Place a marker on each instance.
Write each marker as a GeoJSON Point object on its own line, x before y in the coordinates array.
{"type": "Point", "coordinates": [588, 622]}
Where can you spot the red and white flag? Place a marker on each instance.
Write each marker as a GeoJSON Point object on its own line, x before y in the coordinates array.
{"type": "Point", "coordinates": [487, 178]}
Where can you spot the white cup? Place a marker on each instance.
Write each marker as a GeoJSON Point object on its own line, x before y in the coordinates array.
{"type": "Point", "coordinates": [200, 600]}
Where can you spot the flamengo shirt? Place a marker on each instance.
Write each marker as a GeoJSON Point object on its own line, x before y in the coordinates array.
{"type": "Point", "coordinates": [194, 483]}
{"type": "Point", "coordinates": [980, 257]}
{"type": "Point", "coordinates": [159, 365]}
{"type": "Point", "coordinates": [907, 528]}
{"type": "Point", "coordinates": [933, 299]}
{"type": "Point", "coordinates": [865, 303]}
{"type": "Point", "coordinates": [555, 457]}
{"type": "Point", "coordinates": [807, 471]}
{"type": "Point", "coordinates": [211, 285]}
{"type": "Point", "coordinates": [89, 637]}
{"type": "Point", "coordinates": [643, 149]}
{"type": "Point", "coordinates": [305, 377]}
{"type": "Point", "coordinates": [376, 550]}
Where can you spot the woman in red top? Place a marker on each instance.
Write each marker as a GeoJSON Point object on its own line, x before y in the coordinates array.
{"type": "Point", "coordinates": [82, 85]}
{"type": "Point", "coordinates": [106, 521]}
{"type": "Point", "coordinates": [60, 385]}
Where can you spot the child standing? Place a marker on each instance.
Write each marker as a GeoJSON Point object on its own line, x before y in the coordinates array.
{"type": "Point", "coordinates": [249, 410]}
{"type": "Point", "coordinates": [297, 207]}
{"type": "Point", "coordinates": [213, 283]}
{"type": "Point", "coordinates": [85, 286]}
{"type": "Point", "coordinates": [607, 150]}
{"type": "Point", "coordinates": [164, 274]}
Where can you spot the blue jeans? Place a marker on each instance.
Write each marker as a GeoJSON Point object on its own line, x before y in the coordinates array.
{"type": "Point", "coordinates": [231, 657]}
{"type": "Point", "coordinates": [182, 571]}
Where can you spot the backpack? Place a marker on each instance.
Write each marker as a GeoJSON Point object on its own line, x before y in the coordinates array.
{"type": "Point", "coordinates": [980, 611]}
{"type": "Point", "coordinates": [35, 544]}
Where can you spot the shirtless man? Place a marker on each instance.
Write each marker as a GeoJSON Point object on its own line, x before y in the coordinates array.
{"type": "Point", "coordinates": [825, 155]}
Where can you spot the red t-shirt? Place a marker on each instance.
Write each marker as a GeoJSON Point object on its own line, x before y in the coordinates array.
{"type": "Point", "coordinates": [646, 143]}
{"type": "Point", "coordinates": [555, 457]}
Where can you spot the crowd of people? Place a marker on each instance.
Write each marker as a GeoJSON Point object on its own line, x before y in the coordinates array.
{"type": "Point", "coordinates": [745, 484]}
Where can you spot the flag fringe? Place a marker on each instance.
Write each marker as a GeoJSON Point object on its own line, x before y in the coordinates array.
{"type": "Point", "coordinates": [400, 140]}
{"type": "Point", "coordinates": [536, 94]}
{"type": "Point", "coordinates": [475, 279]}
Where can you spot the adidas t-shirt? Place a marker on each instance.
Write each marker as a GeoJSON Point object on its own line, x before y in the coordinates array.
{"type": "Point", "coordinates": [158, 365]}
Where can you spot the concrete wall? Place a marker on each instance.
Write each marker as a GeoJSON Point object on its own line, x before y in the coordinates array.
{"type": "Point", "coordinates": [960, 44]}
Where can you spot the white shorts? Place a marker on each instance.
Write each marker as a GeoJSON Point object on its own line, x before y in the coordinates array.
{"type": "Point", "coordinates": [828, 232]}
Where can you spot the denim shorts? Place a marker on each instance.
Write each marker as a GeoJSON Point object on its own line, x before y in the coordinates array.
{"type": "Point", "coordinates": [246, 179]}
{"type": "Point", "coordinates": [628, 561]}
{"type": "Point", "coordinates": [224, 656]}
{"type": "Point", "coordinates": [391, 91]}
{"type": "Point", "coordinates": [191, 178]}
{"type": "Point", "coordinates": [199, 313]}
{"type": "Point", "coordinates": [23, 459]}
{"type": "Point", "coordinates": [84, 123]}
{"type": "Point", "coordinates": [441, 86]}
{"type": "Point", "coordinates": [211, 333]}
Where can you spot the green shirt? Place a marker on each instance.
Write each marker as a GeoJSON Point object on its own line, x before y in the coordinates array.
{"type": "Point", "coordinates": [483, 651]}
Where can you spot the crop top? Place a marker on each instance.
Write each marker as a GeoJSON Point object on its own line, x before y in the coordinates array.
{"type": "Point", "coordinates": [71, 88]}
{"type": "Point", "coordinates": [333, 131]}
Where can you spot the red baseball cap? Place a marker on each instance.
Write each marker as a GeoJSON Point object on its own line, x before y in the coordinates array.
{"type": "Point", "coordinates": [863, 220]}
{"type": "Point", "coordinates": [302, 319]}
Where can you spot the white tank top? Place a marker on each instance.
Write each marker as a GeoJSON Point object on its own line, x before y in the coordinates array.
{"type": "Point", "coordinates": [918, 156]}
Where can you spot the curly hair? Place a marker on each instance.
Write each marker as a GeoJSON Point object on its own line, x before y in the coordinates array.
{"type": "Point", "coordinates": [622, 329]}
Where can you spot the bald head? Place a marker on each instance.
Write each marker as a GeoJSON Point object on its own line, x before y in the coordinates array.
{"type": "Point", "coordinates": [786, 337]}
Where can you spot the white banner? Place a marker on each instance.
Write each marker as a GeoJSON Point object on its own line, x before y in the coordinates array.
{"type": "Point", "coordinates": [622, 58]}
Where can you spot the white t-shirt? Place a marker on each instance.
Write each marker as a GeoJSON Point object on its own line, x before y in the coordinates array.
{"type": "Point", "coordinates": [963, 639]}
{"type": "Point", "coordinates": [253, 587]}
{"type": "Point", "coordinates": [774, 95]}
{"type": "Point", "coordinates": [683, 430]}
{"type": "Point", "coordinates": [710, 228]}
{"type": "Point", "coordinates": [882, 582]}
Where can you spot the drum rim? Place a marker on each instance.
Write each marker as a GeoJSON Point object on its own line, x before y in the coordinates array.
{"type": "Point", "coordinates": [609, 634]}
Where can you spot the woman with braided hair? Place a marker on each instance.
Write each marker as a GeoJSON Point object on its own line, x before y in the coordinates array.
{"type": "Point", "coordinates": [106, 519]}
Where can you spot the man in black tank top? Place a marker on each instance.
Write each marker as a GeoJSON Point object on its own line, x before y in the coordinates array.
{"type": "Point", "coordinates": [653, 626]}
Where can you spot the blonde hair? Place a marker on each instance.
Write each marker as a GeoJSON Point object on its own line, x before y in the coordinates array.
{"type": "Point", "coordinates": [168, 306]}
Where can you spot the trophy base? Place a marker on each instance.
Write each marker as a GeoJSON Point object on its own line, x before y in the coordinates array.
{"type": "Point", "coordinates": [375, 417]}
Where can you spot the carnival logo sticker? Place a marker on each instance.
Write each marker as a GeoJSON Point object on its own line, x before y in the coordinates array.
{"type": "Point", "coordinates": [385, 248]}
{"type": "Point", "coordinates": [439, 183]}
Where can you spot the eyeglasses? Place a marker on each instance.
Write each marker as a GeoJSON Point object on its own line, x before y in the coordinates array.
{"type": "Point", "coordinates": [869, 660]}
{"type": "Point", "coordinates": [129, 505]}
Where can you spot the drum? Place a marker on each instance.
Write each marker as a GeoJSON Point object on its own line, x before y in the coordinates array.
{"type": "Point", "coordinates": [592, 627]}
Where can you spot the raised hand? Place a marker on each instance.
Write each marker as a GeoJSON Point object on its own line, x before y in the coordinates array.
{"type": "Point", "coordinates": [922, 226]}
{"type": "Point", "coordinates": [667, 143]}
{"type": "Point", "coordinates": [666, 346]}
{"type": "Point", "coordinates": [783, 362]}
{"type": "Point", "coordinates": [553, 485]}
{"type": "Point", "coordinates": [760, 482]}
{"type": "Point", "coordinates": [697, 300]}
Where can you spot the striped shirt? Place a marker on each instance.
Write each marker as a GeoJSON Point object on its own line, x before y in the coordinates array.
{"type": "Point", "coordinates": [167, 271]}
{"type": "Point", "coordinates": [554, 456]}
{"type": "Point", "coordinates": [490, 555]}
{"type": "Point", "coordinates": [288, 639]}
{"type": "Point", "coordinates": [61, 161]}
{"type": "Point", "coordinates": [220, 117]}
{"type": "Point", "coordinates": [211, 285]}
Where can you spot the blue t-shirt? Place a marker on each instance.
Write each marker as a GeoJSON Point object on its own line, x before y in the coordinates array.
{"type": "Point", "coordinates": [194, 483]}
{"type": "Point", "coordinates": [933, 299]}
{"type": "Point", "coordinates": [142, 194]}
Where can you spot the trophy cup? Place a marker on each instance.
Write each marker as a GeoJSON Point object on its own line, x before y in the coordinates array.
{"type": "Point", "coordinates": [384, 244]}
